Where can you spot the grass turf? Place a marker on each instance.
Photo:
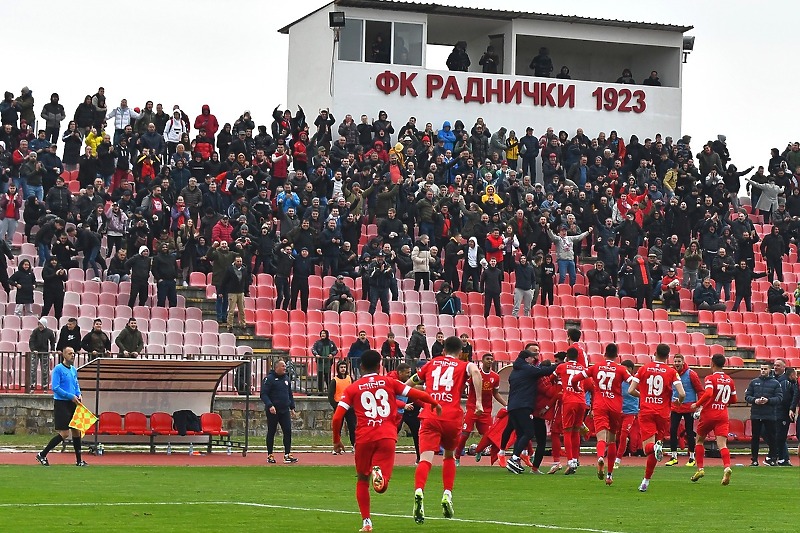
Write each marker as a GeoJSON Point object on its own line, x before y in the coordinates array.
{"type": "Point", "coordinates": [163, 499]}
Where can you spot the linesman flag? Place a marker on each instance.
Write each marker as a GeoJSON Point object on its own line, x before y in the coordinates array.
{"type": "Point", "coordinates": [83, 419]}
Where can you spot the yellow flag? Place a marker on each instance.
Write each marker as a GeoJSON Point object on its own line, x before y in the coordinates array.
{"type": "Point", "coordinates": [83, 419]}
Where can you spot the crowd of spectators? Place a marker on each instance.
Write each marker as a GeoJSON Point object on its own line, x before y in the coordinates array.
{"type": "Point", "coordinates": [160, 196]}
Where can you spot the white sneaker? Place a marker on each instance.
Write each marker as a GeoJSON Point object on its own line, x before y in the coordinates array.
{"type": "Point", "coordinates": [447, 505]}
{"type": "Point", "coordinates": [658, 451]}
{"type": "Point", "coordinates": [555, 468]}
{"type": "Point", "coordinates": [617, 462]}
{"type": "Point", "coordinates": [186, 284]}
{"type": "Point", "coordinates": [95, 278]}
{"type": "Point", "coordinates": [644, 485]}
{"type": "Point", "coordinates": [419, 507]}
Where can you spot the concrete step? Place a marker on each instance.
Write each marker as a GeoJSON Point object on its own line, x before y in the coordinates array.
{"type": "Point", "coordinates": [723, 340]}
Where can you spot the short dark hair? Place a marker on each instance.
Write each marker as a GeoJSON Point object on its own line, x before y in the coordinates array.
{"type": "Point", "coordinates": [627, 363]}
{"type": "Point", "coordinates": [370, 361]}
{"type": "Point", "coordinates": [560, 356]}
{"type": "Point", "coordinates": [572, 354]}
{"type": "Point", "coordinates": [487, 354]}
{"type": "Point", "coordinates": [611, 351]}
{"type": "Point", "coordinates": [662, 352]}
{"type": "Point", "coordinates": [403, 366]}
{"type": "Point", "coordinates": [718, 360]}
{"type": "Point", "coordinates": [574, 334]}
{"type": "Point", "coordinates": [453, 345]}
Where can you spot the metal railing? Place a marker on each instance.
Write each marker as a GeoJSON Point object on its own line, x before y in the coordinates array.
{"type": "Point", "coordinates": [308, 374]}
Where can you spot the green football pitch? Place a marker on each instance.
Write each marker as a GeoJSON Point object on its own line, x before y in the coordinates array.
{"type": "Point", "coordinates": [321, 499]}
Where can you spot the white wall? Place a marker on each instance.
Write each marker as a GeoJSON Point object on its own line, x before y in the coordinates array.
{"type": "Point", "coordinates": [357, 93]}
{"type": "Point", "coordinates": [309, 72]}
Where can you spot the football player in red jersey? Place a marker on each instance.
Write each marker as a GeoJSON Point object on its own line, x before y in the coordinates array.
{"type": "Point", "coordinates": [373, 398]}
{"type": "Point", "coordinates": [657, 379]}
{"type": "Point", "coordinates": [573, 406]}
{"type": "Point", "coordinates": [489, 392]}
{"type": "Point", "coordinates": [713, 404]}
{"type": "Point", "coordinates": [444, 378]}
{"type": "Point", "coordinates": [607, 407]}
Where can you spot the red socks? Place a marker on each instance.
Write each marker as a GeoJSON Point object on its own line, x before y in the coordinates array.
{"type": "Point", "coordinates": [448, 473]}
{"type": "Point", "coordinates": [700, 454]}
{"type": "Point", "coordinates": [572, 443]}
{"type": "Point", "coordinates": [601, 448]}
{"type": "Point", "coordinates": [651, 464]}
{"type": "Point", "coordinates": [556, 438]}
{"type": "Point", "coordinates": [612, 456]}
{"type": "Point", "coordinates": [622, 447]}
{"type": "Point", "coordinates": [648, 449]}
{"type": "Point", "coordinates": [362, 496]}
{"type": "Point", "coordinates": [462, 441]}
{"type": "Point", "coordinates": [726, 457]}
{"type": "Point", "coordinates": [421, 474]}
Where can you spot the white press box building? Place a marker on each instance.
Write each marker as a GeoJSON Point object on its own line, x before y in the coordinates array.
{"type": "Point", "coordinates": [333, 67]}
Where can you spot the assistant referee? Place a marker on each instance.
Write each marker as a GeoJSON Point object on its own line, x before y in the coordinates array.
{"type": "Point", "coordinates": [66, 397]}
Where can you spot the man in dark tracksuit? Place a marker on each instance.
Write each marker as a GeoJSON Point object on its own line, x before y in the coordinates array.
{"type": "Point", "coordinates": [276, 393]}
{"type": "Point", "coordinates": [522, 385]}
{"type": "Point", "coordinates": [764, 396]}
{"type": "Point", "coordinates": [492, 280]}
{"type": "Point", "coordinates": [139, 265]}
{"type": "Point", "coordinates": [783, 419]}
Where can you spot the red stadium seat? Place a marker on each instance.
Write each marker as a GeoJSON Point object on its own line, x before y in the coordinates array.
{"type": "Point", "coordinates": [161, 424]}
{"type": "Point", "coordinates": [110, 423]}
{"type": "Point", "coordinates": [211, 424]}
{"type": "Point", "coordinates": [135, 423]}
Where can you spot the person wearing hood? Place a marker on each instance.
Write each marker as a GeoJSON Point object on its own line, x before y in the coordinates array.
{"type": "Point", "coordinates": [325, 350]}
{"type": "Point", "coordinates": [563, 74]}
{"type": "Point", "coordinates": [139, 266]}
{"type": "Point", "coordinates": [25, 281]}
{"type": "Point", "coordinates": [447, 135]}
{"type": "Point", "coordinates": [173, 131]}
{"type": "Point", "coordinates": [205, 120]}
{"type": "Point", "coordinates": [522, 386]}
{"type": "Point", "coordinates": [542, 64]}
{"type": "Point", "coordinates": [490, 61]}
{"type": "Point", "coordinates": [130, 341]}
{"type": "Point", "coordinates": [474, 261]}
{"type": "Point", "coordinates": [54, 276]}
{"type": "Point", "coordinates": [53, 114]}
{"type": "Point", "coordinates": [458, 60]}
{"type": "Point", "coordinates": [25, 106]}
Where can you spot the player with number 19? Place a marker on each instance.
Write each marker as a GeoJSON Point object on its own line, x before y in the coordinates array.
{"type": "Point", "coordinates": [373, 398]}
{"type": "Point", "coordinates": [444, 378]}
{"type": "Point", "coordinates": [718, 393]}
{"type": "Point", "coordinates": [657, 379]}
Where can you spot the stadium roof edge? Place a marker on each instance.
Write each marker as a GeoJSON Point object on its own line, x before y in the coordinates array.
{"type": "Point", "coordinates": [436, 9]}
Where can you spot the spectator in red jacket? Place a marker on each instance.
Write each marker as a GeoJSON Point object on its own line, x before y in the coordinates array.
{"type": "Point", "coordinates": [205, 120]}
{"type": "Point", "coordinates": [494, 246]}
{"type": "Point", "coordinates": [222, 231]}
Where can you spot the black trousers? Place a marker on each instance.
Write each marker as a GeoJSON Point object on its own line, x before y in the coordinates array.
{"type": "Point", "coordinates": [473, 274]}
{"type": "Point", "coordinates": [350, 418]}
{"type": "Point", "coordinates": [411, 419]}
{"type": "Point", "coordinates": [781, 434]}
{"type": "Point", "coordinates": [283, 419]}
{"type": "Point", "coordinates": [547, 294]}
{"type": "Point", "coordinates": [299, 287]}
{"type": "Point", "coordinates": [674, 423]}
{"type": "Point", "coordinates": [451, 276]}
{"type": "Point", "coordinates": [423, 279]}
{"type": "Point", "coordinates": [488, 299]}
{"type": "Point", "coordinates": [522, 422]}
{"type": "Point", "coordinates": [540, 433]}
{"type": "Point", "coordinates": [282, 292]}
{"type": "Point", "coordinates": [644, 295]}
{"type": "Point", "coordinates": [140, 289]}
{"type": "Point", "coordinates": [762, 428]}
{"type": "Point", "coordinates": [56, 301]}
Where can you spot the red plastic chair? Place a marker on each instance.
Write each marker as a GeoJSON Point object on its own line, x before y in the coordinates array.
{"type": "Point", "coordinates": [135, 423]}
{"type": "Point", "coordinates": [211, 424]}
{"type": "Point", "coordinates": [110, 423]}
{"type": "Point", "coordinates": [161, 424]}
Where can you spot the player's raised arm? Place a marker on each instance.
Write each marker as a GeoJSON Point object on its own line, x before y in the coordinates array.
{"type": "Point", "coordinates": [477, 383]}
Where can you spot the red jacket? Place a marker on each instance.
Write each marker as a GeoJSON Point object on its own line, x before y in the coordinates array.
{"type": "Point", "coordinates": [207, 121]}
{"type": "Point", "coordinates": [4, 201]}
{"type": "Point", "coordinates": [221, 232]}
{"type": "Point", "coordinates": [493, 243]}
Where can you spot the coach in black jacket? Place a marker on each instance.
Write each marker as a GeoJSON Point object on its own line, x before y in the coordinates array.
{"type": "Point", "coordinates": [276, 393]}
{"type": "Point", "coordinates": [764, 396]}
{"type": "Point", "coordinates": [522, 385]}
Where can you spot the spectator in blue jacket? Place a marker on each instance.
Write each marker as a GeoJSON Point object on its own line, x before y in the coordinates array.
{"type": "Point", "coordinates": [276, 393]}
{"type": "Point", "coordinates": [447, 135]}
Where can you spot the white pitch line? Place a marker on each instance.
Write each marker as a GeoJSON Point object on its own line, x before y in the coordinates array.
{"type": "Point", "coordinates": [307, 509]}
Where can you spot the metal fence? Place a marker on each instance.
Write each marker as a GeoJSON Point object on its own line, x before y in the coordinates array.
{"type": "Point", "coordinates": [22, 372]}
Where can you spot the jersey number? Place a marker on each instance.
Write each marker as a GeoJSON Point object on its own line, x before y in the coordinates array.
{"type": "Point", "coordinates": [605, 380]}
{"type": "Point", "coordinates": [442, 379]}
{"type": "Point", "coordinates": [375, 405]}
{"type": "Point", "coordinates": [723, 394]}
{"type": "Point", "coordinates": [655, 385]}
{"type": "Point", "coordinates": [571, 372]}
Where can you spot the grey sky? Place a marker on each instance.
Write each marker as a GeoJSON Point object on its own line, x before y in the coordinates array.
{"type": "Point", "coordinates": [230, 56]}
